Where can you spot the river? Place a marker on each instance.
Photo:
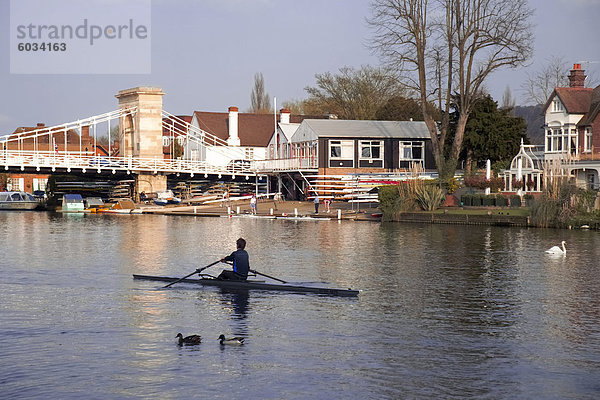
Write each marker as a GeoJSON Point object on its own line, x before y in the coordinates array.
{"type": "Point", "coordinates": [445, 311]}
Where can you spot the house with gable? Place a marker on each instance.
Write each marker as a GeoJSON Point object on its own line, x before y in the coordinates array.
{"type": "Point", "coordinates": [571, 136]}
{"type": "Point", "coordinates": [240, 137]}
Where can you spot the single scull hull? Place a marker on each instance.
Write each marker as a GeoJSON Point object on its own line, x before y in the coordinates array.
{"type": "Point", "coordinates": [254, 285]}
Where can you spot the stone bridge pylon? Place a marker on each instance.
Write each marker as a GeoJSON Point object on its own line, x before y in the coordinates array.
{"type": "Point", "coordinates": [141, 132]}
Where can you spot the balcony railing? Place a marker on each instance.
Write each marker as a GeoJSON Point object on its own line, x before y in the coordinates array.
{"type": "Point", "coordinates": [287, 164]}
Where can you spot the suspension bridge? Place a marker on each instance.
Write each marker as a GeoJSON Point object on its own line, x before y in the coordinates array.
{"type": "Point", "coordinates": [137, 133]}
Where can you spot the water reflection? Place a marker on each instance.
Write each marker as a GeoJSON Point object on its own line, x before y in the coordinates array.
{"type": "Point", "coordinates": [444, 312]}
{"type": "Point", "coordinates": [236, 302]}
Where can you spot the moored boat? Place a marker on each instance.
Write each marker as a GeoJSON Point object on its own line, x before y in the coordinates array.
{"type": "Point", "coordinates": [17, 201]}
{"type": "Point", "coordinates": [72, 203]}
{"type": "Point", "coordinates": [254, 285]}
{"type": "Point", "coordinates": [167, 197]}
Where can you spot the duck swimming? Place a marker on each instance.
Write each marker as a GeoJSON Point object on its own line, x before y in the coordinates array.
{"type": "Point", "coordinates": [234, 341]}
{"type": "Point", "coordinates": [189, 340]}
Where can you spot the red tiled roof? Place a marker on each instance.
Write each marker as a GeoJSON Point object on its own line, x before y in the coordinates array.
{"type": "Point", "coordinates": [254, 130]}
{"type": "Point", "coordinates": [575, 100]}
{"type": "Point", "coordinates": [57, 134]}
{"type": "Point", "coordinates": [594, 109]}
{"type": "Point", "coordinates": [180, 129]}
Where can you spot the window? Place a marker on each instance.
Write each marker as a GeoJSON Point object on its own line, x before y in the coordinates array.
{"type": "Point", "coordinates": [249, 153]}
{"type": "Point", "coordinates": [166, 141]}
{"type": "Point", "coordinates": [371, 153]}
{"type": "Point", "coordinates": [557, 105]}
{"type": "Point", "coordinates": [557, 140]}
{"type": "Point", "coordinates": [411, 152]}
{"type": "Point", "coordinates": [341, 153]}
{"type": "Point", "coordinates": [587, 139]}
{"type": "Point", "coordinates": [371, 149]}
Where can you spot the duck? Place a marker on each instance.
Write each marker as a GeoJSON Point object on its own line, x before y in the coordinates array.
{"type": "Point", "coordinates": [189, 340]}
{"type": "Point", "coordinates": [558, 250]}
{"type": "Point", "coordinates": [234, 341]}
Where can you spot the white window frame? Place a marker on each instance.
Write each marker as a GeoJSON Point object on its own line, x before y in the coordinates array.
{"type": "Point", "coordinates": [370, 144]}
{"type": "Point", "coordinates": [405, 144]}
{"type": "Point", "coordinates": [346, 150]}
{"type": "Point", "coordinates": [557, 105]}
{"type": "Point", "coordinates": [166, 141]}
{"type": "Point", "coordinates": [558, 140]}
{"type": "Point", "coordinates": [587, 140]}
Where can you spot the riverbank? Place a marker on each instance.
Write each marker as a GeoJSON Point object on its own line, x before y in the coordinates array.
{"type": "Point", "coordinates": [468, 217]}
{"type": "Point", "coordinates": [337, 210]}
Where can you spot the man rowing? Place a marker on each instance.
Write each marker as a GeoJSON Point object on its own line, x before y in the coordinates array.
{"type": "Point", "coordinates": [241, 263]}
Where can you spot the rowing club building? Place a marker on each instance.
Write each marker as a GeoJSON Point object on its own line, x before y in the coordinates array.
{"type": "Point", "coordinates": [320, 149]}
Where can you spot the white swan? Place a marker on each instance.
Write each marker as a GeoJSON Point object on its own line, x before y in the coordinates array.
{"type": "Point", "coordinates": [558, 250]}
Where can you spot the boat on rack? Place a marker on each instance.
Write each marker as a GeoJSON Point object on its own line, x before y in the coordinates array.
{"type": "Point", "coordinates": [17, 201]}
{"type": "Point", "coordinates": [254, 285]}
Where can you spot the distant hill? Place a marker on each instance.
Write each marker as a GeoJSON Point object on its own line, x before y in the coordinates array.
{"type": "Point", "coordinates": [535, 121]}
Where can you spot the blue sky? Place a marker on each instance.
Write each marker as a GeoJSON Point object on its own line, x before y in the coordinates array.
{"type": "Point", "coordinates": [205, 54]}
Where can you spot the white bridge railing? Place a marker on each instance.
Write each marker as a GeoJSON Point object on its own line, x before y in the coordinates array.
{"type": "Point", "coordinates": [85, 161]}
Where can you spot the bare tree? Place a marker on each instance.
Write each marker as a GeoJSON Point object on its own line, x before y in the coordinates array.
{"type": "Point", "coordinates": [508, 101]}
{"type": "Point", "coordinates": [295, 106]}
{"type": "Point", "coordinates": [540, 84]}
{"type": "Point", "coordinates": [445, 49]}
{"type": "Point", "coordinates": [352, 93]}
{"type": "Point", "coordinates": [259, 98]}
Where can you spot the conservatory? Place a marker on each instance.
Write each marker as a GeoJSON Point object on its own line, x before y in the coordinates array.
{"type": "Point", "coordinates": [526, 170]}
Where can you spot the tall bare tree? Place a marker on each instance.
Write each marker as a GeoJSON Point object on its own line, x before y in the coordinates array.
{"type": "Point", "coordinates": [259, 98]}
{"type": "Point", "coordinates": [508, 101]}
{"type": "Point", "coordinates": [446, 49]}
{"type": "Point", "coordinates": [352, 93]}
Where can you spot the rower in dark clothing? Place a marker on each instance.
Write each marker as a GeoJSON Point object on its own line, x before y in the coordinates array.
{"type": "Point", "coordinates": [241, 263]}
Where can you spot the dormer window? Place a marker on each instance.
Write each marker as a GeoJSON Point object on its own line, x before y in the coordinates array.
{"type": "Point", "coordinates": [557, 105]}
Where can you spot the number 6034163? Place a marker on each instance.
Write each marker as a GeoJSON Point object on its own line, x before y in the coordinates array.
{"type": "Point", "coordinates": [44, 46]}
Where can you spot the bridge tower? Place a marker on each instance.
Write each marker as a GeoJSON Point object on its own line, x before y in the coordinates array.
{"type": "Point", "coordinates": [141, 134]}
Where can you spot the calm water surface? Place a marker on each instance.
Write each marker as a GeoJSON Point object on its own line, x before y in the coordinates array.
{"type": "Point", "coordinates": [445, 311]}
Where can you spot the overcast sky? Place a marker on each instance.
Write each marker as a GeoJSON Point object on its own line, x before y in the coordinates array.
{"type": "Point", "coordinates": [206, 52]}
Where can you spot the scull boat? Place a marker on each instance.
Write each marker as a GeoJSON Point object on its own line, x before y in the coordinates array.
{"type": "Point", "coordinates": [254, 285]}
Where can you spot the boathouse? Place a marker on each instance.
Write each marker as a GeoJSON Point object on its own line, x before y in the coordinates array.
{"type": "Point", "coordinates": [342, 147]}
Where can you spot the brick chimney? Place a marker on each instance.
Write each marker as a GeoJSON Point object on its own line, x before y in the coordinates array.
{"type": "Point", "coordinates": [233, 139]}
{"type": "Point", "coordinates": [577, 77]}
{"type": "Point", "coordinates": [85, 132]}
{"type": "Point", "coordinates": [40, 125]}
{"type": "Point", "coordinates": [284, 116]}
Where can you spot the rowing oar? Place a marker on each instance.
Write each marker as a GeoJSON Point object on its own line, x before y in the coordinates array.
{"type": "Point", "coordinates": [268, 276]}
{"type": "Point", "coordinates": [195, 272]}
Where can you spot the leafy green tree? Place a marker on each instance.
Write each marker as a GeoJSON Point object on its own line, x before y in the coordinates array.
{"type": "Point", "coordinates": [491, 133]}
